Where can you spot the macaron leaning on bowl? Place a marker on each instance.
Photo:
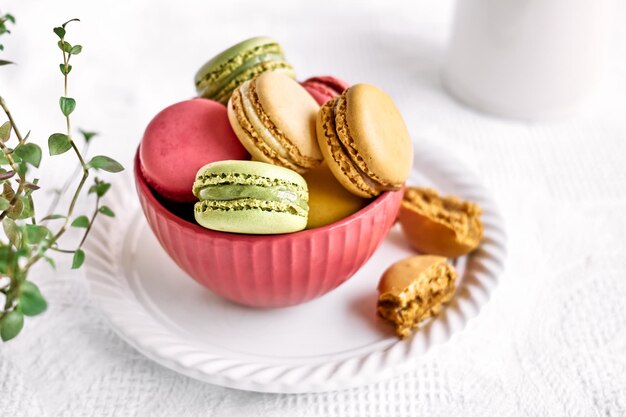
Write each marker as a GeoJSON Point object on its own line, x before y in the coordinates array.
{"type": "Point", "coordinates": [219, 77]}
{"type": "Point", "coordinates": [180, 140]}
{"type": "Point", "coordinates": [274, 118]}
{"type": "Point", "coordinates": [365, 141]}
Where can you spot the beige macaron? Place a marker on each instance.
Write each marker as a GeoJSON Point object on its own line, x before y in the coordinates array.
{"type": "Point", "coordinates": [274, 118]}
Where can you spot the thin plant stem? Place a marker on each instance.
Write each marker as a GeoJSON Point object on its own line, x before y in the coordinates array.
{"type": "Point", "coordinates": [13, 125]}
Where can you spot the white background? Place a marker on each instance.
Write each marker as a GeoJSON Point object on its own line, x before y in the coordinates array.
{"type": "Point", "coordinates": [551, 342]}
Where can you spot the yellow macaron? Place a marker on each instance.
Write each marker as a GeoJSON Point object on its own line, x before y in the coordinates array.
{"type": "Point", "coordinates": [329, 201]}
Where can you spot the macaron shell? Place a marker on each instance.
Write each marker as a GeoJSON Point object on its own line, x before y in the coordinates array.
{"type": "Point", "coordinates": [329, 201]}
{"type": "Point", "coordinates": [292, 110]}
{"type": "Point", "coordinates": [251, 221]}
{"type": "Point", "coordinates": [399, 276]}
{"type": "Point", "coordinates": [378, 134]}
{"type": "Point", "coordinates": [180, 140]}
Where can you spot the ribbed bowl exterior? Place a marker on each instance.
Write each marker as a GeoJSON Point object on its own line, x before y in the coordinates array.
{"type": "Point", "coordinates": [270, 270]}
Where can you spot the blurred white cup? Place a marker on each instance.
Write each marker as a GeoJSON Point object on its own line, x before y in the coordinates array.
{"type": "Point", "coordinates": [526, 59]}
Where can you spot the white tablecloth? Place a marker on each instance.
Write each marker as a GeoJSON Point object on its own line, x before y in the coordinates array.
{"type": "Point", "coordinates": [551, 342]}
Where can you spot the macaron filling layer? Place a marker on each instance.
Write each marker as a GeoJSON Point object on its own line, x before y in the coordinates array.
{"type": "Point", "coordinates": [229, 192]}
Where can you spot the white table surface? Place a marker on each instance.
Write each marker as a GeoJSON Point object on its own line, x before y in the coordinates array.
{"type": "Point", "coordinates": [552, 341]}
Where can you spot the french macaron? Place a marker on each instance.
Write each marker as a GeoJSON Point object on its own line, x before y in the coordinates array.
{"type": "Point", "coordinates": [250, 197]}
{"type": "Point", "coordinates": [329, 201]}
{"type": "Point", "coordinates": [274, 118]}
{"type": "Point", "coordinates": [180, 140]}
{"type": "Point", "coordinates": [222, 74]}
{"type": "Point", "coordinates": [324, 88]}
{"type": "Point", "coordinates": [365, 141]}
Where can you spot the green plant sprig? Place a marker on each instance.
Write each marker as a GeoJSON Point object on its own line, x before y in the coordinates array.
{"type": "Point", "coordinates": [28, 243]}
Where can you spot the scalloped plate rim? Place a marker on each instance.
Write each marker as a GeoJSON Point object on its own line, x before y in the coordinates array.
{"type": "Point", "coordinates": [444, 165]}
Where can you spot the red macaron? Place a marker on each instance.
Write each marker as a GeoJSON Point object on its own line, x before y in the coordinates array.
{"type": "Point", "coordinates": [324, 88]}
{"type": "Point", "coordinates": [180, 140]}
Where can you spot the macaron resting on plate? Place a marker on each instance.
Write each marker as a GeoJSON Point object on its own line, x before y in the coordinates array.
{"type": "Point", "coordinates": [365, 141]}
{"type": "Point", "coordinates": [221, 75]}
{"type": "Point", "coordinates": [180, 140]}
{"type": "Point", "coordinates": [274, 118]}
{"type": "Point", "coordinates": [250, 197]}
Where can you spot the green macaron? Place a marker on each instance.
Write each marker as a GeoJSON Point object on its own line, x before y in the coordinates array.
{"type": "Point", "coordinates": [250, 197]}
{"type": "Point", "coordinates": [218, 78]}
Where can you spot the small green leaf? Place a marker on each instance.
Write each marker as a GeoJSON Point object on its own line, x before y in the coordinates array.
{"type": "Point", "coordinates": [3, 159]}
{"type": "Point", "coordinates": [50, 261]}
{"type": "Point", "coordinates": [60, 32]}
{"type": "Point", "coordinates": [12, 231]}
{"type": "Point", "coordinates": [58, 143]}
{"type": "Point", "coordinates": [5, 131]}
{"type": "Point", "coordinates": [65, 69]}
{"type": "Point", "coordinates": [81, 221]}
{"type": "Point", "coordinates": [105, 163]}
{"type": "Point", "coordinates": [4, 203]}
{"type": "Point", "coordinates": [88, 135]}
{"type": "Point", "coordinates": [79, 258]}
{"type": "Point", "coordinates": [100, 188]}
{"type": "Point", "coordinates": [76, 49]}
{"type": "Point", "coordinates": [65, 46]}
{"type": "Point", "coordinates": [67, 105]}
{"type": "Point", "coordinates": [31, 301]}
{"type": "Point", "coordinates": [11, 325]}
{"type": "Point", "coordinates": [30, 153]}
{"type": "Point", "coordinates": [22, 168]}
{"type": "Point", "coordinates": [106, 211]}
{"type": "Point", "coordinates": [53, 217]}
{"type": "Point", "coordinates": [16, 212]}
{"type": "Point", "coordinates": [4, 62]}
{"type": "Point", "coordinates": [36, 233]}
{"type": "Point", "coordinates": [70, 21]}
{"type": "Point", "coordinates": [27, 208]}
{"type": "Point", "coordinates": [10, 18]}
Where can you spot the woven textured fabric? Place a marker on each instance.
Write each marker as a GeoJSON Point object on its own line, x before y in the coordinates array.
{"type": "Point", "coordinates": [550, 342]}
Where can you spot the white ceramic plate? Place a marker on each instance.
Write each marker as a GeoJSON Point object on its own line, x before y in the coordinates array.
{"type": "Point", "coordinates": [333, 342]}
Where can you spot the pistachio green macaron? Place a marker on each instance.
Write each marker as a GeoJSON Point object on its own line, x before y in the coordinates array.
{"type": "Point", "coordinates": [250, 197]}
{"type": "Point", "coordinates": [218, 78]}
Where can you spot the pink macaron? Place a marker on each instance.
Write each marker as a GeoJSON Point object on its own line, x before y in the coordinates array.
{"type": "Point", "coordinates": [324, 88]}
{"type": "Point", "coordinates": [180, 140]}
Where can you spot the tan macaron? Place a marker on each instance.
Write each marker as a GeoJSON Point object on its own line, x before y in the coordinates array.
{"type": "Point", "coordinates": [274, 118]}
{"type": "Point", "coordinates": [329, 201]}
{"type": "Point", "coordinates": [414, 289]}
{"type": "Point", "coordinates": [436, 225]}
{"type": "Point", "coordinates": [365, 141]}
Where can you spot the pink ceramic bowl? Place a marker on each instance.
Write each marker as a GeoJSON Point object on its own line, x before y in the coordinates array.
{"type": "Point", "coordinates": [273, 270]}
